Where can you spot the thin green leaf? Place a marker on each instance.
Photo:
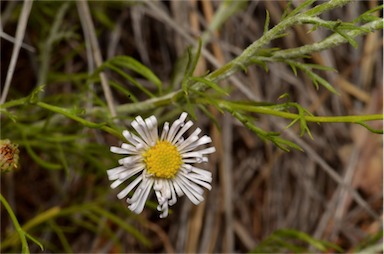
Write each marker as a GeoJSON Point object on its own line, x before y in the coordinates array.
{"type": "Point", "coordinates": [33, 239]}
{"type": "Point", "coordinates": [210, 116]}
{"type": "Point", "coordinates": [320, 67]}
{"type": "Point", "coordinates": [350, 39]}
{"type": "Point", "coordinates": [293, 67]}
{"type": "Point", "coordinates": [301, 7]}
{"type": "Point", "coordinates": [136, 66]}
{"type": "Point", "coordinates": [267, 20]}
{"type": "Point", "coordinates": [19, 230]}
{"type": "Point", "coordinates": [130, 79]}
{"type": "Point", "coordinates": [36, 158]}
{"type": "Point", "coordinates": [287, 240]}
{"type": "Point", "coordinates": [317, 79]}
{"type": "Point", "coordinates": [210, 84]}
{"type": "Point", "coordinates": [192, 60]}
{"type": "Point", "coordinates": [261, 63]}
{"type": "Point", "coordinates": [123, 90]}
{"type": "Point", "coordinates": [369, 15]}
{"type": "Point", "coordinates": [376, 131]}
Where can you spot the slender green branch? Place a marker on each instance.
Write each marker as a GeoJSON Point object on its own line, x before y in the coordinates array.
{"type": "Point", "coordinates": [13, 103]}
{"type": "Point", "coordinates": [244, 59]}
{"type": "Point", "coordinates": [63, 111]}
{"type": "Point", "coordinates": [287, 115]}
{"type": "Point", "coordinates": [239, 63]}
{"type": "Point", "coordinates": [71, 115]}
{"type": "Point", "coordinates": [329, 42]}
{"type": "Point", "coordinates": [19, 230]}
{"type": "Point", "coordinates": [357, 119]}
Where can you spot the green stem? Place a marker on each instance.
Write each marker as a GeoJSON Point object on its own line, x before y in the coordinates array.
{"type": "Point", "coordinates": [69, 114]}
{"type": "Point", "coordinates": [243, 60]}
{"type": "Point", "coordinates": [19, 230]}
{"type": "Point", "coordinates": [63, 111]}
{"type": "Point", "coordinates": [329, 42]}
{"type": "Point", "coordinates": [287, 115]}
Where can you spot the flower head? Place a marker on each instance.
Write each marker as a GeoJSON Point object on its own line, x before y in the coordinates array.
{"type": "Point", "coordinates": [164, 163]}
{"type": "Point", "coordinates": [9, 155]}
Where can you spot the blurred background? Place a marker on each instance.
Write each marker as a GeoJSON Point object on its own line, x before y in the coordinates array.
{"type": "Point", "coordinates": [60, 192]}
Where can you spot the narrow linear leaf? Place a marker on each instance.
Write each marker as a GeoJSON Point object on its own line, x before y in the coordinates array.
{"type": "Point", "coordinates": [211, 84]}
{"type": "Point", "coordinates": [19, 230]}
{"type": "Point", "coordinates": [33, 239]}
{"type": "Point", "coordinates": [299, 8]}
{"type": "Point", "coordinates": [136, 66]}
{"type": "Point", "coordinates": [267, 20]}
{"type": "Point", "coordinates": [350, 39]}
{"type": "Point", "coordinates": [123, 90]}
{"type": "Point", "coordinates": [130, 79]}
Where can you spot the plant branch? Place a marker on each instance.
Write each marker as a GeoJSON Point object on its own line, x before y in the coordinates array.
{"type": "Point", "coordinates": [19, 230]}
{"type": "Point", "coordinates": [240, 63]}
{"type": "Point", "coordinates": [329, 42]}
{"type": "Point", "coordinates": [357, 119]}
{"type": "Point", "coordinates": [287, 115]}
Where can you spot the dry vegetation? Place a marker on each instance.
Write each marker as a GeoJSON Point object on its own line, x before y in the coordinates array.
{"type": "Point", "coordinates": [332, 190]}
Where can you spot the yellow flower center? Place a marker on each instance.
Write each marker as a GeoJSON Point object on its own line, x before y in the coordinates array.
{"type": "Point", "coordinates": [163, 160]}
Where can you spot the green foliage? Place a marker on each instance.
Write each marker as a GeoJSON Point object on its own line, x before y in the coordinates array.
{"type": "Point", "coordinates": [19, 231]}
{"type": "Point", "coordinates": [293, 241]}
{"type": "Point", "coordinates": [120, 64]}
{"type": "Point", "coordinates": [62, 132]}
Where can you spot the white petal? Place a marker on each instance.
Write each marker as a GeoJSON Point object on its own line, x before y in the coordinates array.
{"type": "Point", "coordinates": [172, 132]}
{"type": "Point", "coordinates": [165, 212]}
{"type": "Point", "coordinates": [130, 138]}
{"type": "Point", "coordinates": [158, 184]}
{"type": "Point", "coordinates": [165, 131]}
{"type": "Point", "coordinates": [138, 206]}
{"type": "Point", "coordinates": [117, 183]}
{"type": "Point", "coordinates": [202, 141]}
{"type": "Point", "coordinates": [173, 199]}
{"type": "Point", "coordinates": [132, 149]}
{"type": "Point", "coordinates": [181, 132]}
{"type": "Point", "coordinates": [191, 139]}
{"type": "Point", "coordinates": [152, 127]}
{"type": "Point", "coordinates": [160, 199]}
{"type": "Point", "coordinates": [166, 189]}
{"type": "Point", "coordinates": [202, 172]}
{"type": "Point", "coordinates": [183, 116]}
{"type": "Point", "coordinates": [130, 160]}
{"type": "Point", "coordinates": [191, 186]}
{"type": "Point", "coordinates": [193, 160]}
{"type": "Point", "coordinates": [131, 172]}
{"type": "Point", "coordinates": [122, 194]}
{"type": "Point", "coordinates": [141, 128]}
{"type": "Point", "coordinates": [177, 188]}
{"type": "Point", "coordinates": [136, 195]}
{"type": "Point", "coordinates": [114, 172]}
{"type": "Point", "coordinates": [198, 153]}
{"type": "Point", "coordinates": [164, 209]}
{"type": "Point", "coordinates": [119, 150]}
{"type": "Point", "coordinates": [195, 178]}
{"type": "Point", "coordinates": [188, 192]}
{"type": "Point", "coordinates": [140, 143]}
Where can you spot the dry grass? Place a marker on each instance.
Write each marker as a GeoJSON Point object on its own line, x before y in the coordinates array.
{"type": "Point", "coordinates": [332, 190]}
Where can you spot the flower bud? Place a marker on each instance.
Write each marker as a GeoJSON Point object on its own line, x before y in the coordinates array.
{"type": "Point", "coordinates": [9, 156]}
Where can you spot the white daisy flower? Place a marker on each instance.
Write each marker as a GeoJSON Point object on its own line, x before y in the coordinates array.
{"type": "Point", "coordinates": [163, 163]}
